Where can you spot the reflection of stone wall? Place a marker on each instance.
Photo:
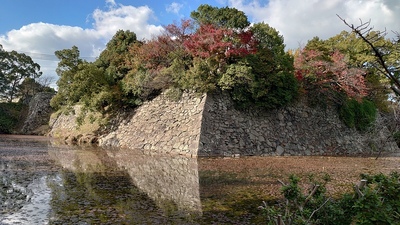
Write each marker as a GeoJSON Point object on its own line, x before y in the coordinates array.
{"type": "Point", "coordinates": [77, 160]}
{"type": "Point", "coordinates": [164, 178]}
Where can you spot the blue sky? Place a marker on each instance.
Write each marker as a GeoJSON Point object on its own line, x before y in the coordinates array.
{"type": "Point", "coordinates": [40, 27]}
{"type": "Point", "coordinates": [17, 13]}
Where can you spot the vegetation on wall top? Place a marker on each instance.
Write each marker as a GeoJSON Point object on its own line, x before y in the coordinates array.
{"type": "Point", "coordinates": [216, 49]}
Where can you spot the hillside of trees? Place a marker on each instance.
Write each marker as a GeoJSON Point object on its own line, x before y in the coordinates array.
{"type": "Point", "coordinates": [217, 49]}
{"type": "Point", "coordinates": [199, 54]}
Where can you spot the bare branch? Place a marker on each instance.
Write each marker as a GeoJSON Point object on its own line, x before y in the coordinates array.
{"type": "Point", "coordinates": [312, 214]}
{"type": "Point", "coordinates": [46, 80]}
{"type": "Point", "coordinates": [311, 194]}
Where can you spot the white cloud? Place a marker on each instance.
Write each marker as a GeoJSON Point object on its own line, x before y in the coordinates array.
{"type": "Point", "coordinates": [47, 38]}
{"type": "Point", "coordinates": [127, 18]}
{"type": "Point", "coordinates": [111, 3]}
{"type": "Point", "coordinates": [41, 40]}
{"type": "Point", "coordinates": [174, 7]}
{"type": "Point", "coordinates": [299, 21]}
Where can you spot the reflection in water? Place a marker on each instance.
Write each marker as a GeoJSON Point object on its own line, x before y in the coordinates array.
{"type": "Point", "coordinates": [45, 183]}
{"type": "Point", "coordinates": [101, 198]}
{"type": "Point", "coordinates": [55, 184]}
{"type": "Point", "coordinates": [37, 207]}
{"type": "Point", "coordinates": [166, 179]}
{"type": "Point", "coordinates": [108, 182]}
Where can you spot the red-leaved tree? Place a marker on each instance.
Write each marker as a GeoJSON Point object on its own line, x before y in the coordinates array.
{"type": "Point", "coordinates": [159, 52]}
{"type": "Point", "coordinates": [221, 43]}
{"type": "Point", "coordinates": [213, 49]}
{"type": "Point", "coordinates": [326, 74]}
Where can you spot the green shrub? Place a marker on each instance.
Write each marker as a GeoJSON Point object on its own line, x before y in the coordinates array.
{"type": "Point", "coordinates": [298, 207]}
{"type": "Point", "coordinates": [348, 113]}
{"type": "Point", "coordinates": [360, 115]}
{"type": "Point", "coordinates": [366, 115]}
{"type": "Point", "coordinates": [396, 137]}
{"type": "Point", "coordinates": [10, 113]}
{"type": "Point", "coordinates": [174, 94]}
{"type": "Point", "coordinates": [277, 90]}
{"type": "Point", "coordinates": [380, 203]}
{"type": "Point", "coordinates": [375, 203]}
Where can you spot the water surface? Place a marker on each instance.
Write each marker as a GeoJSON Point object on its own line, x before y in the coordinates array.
{"type": "Point", "coordinates": [44, 182]}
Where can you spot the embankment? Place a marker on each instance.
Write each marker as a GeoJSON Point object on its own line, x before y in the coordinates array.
{"type": "Point", "coordinates": [209, 125]}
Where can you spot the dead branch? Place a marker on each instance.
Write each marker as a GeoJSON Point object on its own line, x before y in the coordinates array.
{"type": "Point", "coordinates": [312, 214]}
{"type": "Point", "coordinates": [358, 187]}
{"type": "Point", "coordinates": [283, 184]}
{"type": "Point", "coordinates": [311, 194]}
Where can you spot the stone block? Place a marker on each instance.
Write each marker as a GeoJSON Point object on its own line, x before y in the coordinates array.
{"type": "Point", "coordinates": [279, 150]}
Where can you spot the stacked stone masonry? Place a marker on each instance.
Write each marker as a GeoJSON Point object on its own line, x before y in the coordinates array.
{"type": "Point", "coordinates": [162, 126]}
{"type": "Point", "coordinates": [209, 125]}
{"type": "Point", "coordinates": [293, 130]}
{"type": "Point", "coordinates": [38, 115]}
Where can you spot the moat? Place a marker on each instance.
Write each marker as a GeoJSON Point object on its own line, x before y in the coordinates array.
{"type": "Point", "coordinates": [45, 182]}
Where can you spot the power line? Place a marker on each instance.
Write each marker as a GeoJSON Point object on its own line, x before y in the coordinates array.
{"type": "Point", "coordinates": [52, 57]}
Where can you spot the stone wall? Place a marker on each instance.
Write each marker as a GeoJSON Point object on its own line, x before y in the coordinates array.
{"type": "Point", "coordinates": [293, 130]}
{"type": "Point", "coordinates": [38, 115]}
{"type": "Point", "coordinates": [162, 126]}
{"type": "Point", "coordinates": [209, 125]}
{"type": "Point", "coordinates": [64, 126]}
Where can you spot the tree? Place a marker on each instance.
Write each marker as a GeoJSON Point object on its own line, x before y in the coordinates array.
{"type": "Point", "coordinates": [148, 61]}
{"type": "Point", "coordinates": [357, 55]}
{"type": "Point", "coordinates": [117, 61]}
{"type": "Point", "coordinates": [214, 49]}
{"type": "Point", "coordinates": [3, 68]}
{"type": "Point", "coordinates": [220, 17]}
{"type": "Point", "coordinates": [210, 41]}
{"type": "Point", "coordinates": [386, 53]}
{"type": "Point", "coordinates": [81, 82]}
{"type": "Point", "coordinates": [113, 58]}
{"type": "Point", "coordinates": [265, 77]}
{"type": "Point", "coordinates": [321, 74]}
{"type": "Point", "coordinates": [220, 54]}
{"type": "Point", "coordinates": [66, 70]}
{"type": "Point", "coordinates": [91, 87]}
{"type": "Point", "coordinates": [98, 85]}
{"type": "Point", "coordinates": [14, 68]}
{"type": "Point", "coordinates": [160, 52]}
